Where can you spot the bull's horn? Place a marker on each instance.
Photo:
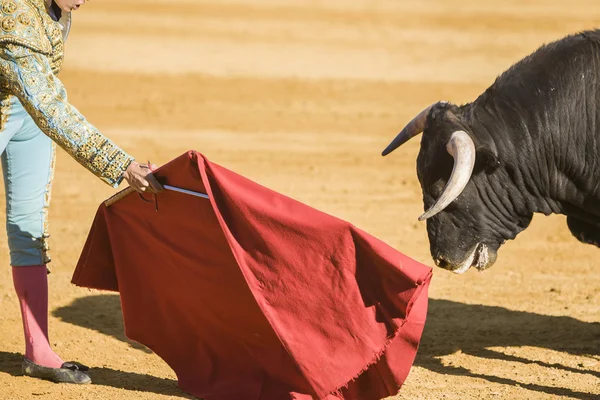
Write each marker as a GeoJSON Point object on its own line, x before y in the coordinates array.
{"type": "Point", "coordinates": [462, 149]}
{"type": "Point", "coordinates": [411, 130]}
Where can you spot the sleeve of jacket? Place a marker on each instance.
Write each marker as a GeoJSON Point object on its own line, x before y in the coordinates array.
{"type": "Point", "coordinates": [27, 74]}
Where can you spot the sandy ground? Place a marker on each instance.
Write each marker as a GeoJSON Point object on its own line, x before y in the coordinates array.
{"type": "Point", "coordinates": [302, 96]}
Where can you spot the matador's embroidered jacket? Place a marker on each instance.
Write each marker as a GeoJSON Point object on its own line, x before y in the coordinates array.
{"type": "Point", "coordinates": [31, 55]}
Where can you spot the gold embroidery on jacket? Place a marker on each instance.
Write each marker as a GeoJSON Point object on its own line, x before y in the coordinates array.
{"type": "Point", "coordinates": [31, 54]}
{"type": "Point", "coordinates": [23, 24]}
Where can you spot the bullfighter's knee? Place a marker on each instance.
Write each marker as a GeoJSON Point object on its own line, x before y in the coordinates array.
{"type": "Point", "coordinates": [27, 246]}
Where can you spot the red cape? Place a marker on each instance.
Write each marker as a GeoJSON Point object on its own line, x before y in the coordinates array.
{"type": "Point", "coordinates": [253, 295]}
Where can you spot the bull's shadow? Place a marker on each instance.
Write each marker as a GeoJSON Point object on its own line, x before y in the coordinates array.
{"type": "Point", "coordinates": [473, 329]}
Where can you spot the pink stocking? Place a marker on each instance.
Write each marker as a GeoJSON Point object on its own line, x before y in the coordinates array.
{"type": "Point", "coordinates": [31, 285]}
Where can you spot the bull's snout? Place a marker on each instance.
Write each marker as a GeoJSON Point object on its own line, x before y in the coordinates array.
{"type": "Point", "coordinates": [440, 262]}
{"type": "Point", "coordinates": [456, 267]}
{"type": "Point", "coordinates": [480, 257]}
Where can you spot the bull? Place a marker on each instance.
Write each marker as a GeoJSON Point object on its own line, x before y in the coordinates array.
{"type": "Point", "coordinates": [529, 144]}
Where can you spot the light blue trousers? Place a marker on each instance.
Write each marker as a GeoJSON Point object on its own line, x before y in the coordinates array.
{"type": "Point", "coordinates": [28, 167]}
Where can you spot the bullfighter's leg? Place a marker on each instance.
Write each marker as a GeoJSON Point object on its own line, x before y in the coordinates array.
{"type": "Point", "coordinates": [584, 231]}
{"type": "Point", "coordinates": [28, 167]}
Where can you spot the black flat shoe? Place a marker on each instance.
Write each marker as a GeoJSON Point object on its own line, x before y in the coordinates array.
{"type": "Point", "coordinates": [69, 372]}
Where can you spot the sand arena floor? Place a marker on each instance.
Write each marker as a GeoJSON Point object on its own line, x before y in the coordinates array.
{"type": "Point", "coordinates": [302, 96]}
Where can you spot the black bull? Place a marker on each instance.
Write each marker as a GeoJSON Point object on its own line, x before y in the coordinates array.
{"type": "Point", "coordinates": [529, 144]}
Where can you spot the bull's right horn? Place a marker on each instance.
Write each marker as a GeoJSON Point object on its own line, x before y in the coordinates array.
{"type": "Point", "coordinates": [462, 149]}
{"type": "Point", "coordinates": [414, 127]}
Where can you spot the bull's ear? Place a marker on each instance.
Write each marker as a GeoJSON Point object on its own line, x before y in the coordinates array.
{"type": "Point", "coordinates": [487, 159]}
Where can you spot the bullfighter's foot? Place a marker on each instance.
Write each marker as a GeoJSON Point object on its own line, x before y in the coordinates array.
{"type": "Point", "coordinates": [69, 372]}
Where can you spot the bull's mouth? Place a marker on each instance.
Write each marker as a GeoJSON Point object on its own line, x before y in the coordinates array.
{"type": "Point", "coordinates": [479, 257]}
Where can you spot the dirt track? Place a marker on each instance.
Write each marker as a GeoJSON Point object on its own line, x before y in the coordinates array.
{"type": "Point", "coordinates": [302, 96]}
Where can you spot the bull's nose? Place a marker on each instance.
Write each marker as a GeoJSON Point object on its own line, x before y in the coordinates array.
{"type": "Point", "coordinates": [440, 262]}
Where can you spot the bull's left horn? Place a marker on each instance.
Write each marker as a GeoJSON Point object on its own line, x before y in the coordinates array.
{"type": "Point", "coordinates": [462, 149]}
{"type": "Point", "coordinates": [412, 129]}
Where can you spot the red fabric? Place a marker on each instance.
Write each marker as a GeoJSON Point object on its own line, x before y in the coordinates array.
{"type": "Point", "coordinates": [253, 295]}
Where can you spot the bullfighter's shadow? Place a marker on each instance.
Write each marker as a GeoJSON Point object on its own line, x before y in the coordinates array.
{"type": "Point", "coordinates": [451, 326]}
{"type": "Point", "coordinates": [101, 313]}
{"type": "Point", "coordinates": [10, 363]}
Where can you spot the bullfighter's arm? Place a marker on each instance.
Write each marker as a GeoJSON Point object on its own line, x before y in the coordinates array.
{"type": "Point", "coordinates": [27, 75]}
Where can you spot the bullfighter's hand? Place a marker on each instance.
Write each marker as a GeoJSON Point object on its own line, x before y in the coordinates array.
{"type": "Point", "coordinates": [140, 178]}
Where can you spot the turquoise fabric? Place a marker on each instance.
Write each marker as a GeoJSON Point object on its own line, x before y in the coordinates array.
{"type": "Point", "coordinates": [27, 168]}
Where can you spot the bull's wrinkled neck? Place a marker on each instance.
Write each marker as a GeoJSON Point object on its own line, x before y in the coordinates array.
{"type": "Point", "coordinates": [530, 180]}
{"type": "Point", "coordinates": [527, 174]}
{"type": "Point", "coordinates": [549, 148]}
{"type": "Point", "coordinates": [509, 209]}
{"type": "Point", "coordinates": [555, 176]}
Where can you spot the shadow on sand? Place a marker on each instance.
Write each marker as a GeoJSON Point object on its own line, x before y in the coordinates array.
{"type": "Point", "coordinates": [10, 363]}
{"type": "Point", "coordinates": [451, 326]}
{"type": "Point", "coordinates": [473, 329]}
